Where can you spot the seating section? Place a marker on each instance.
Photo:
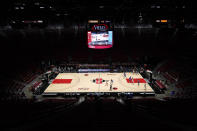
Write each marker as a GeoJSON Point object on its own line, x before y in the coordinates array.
{"type": "Point", "coordinates": [15, 82]}
{"type": "Point", "coordinates": [160, 84]}
{"type": "Point", "coordinates": [166, 66]}
{"type": "Point", "coordinates": [183, 84]}
{"type": "Point", "coordinates": [173, 75]}
{"type": "Point", "coordinates": [169, 77]}
{"type": "Point", "coordinates": [29, 75]}
{"type": "Point", "coordinates": [35, 85]}
{"type": "Point", "coordinates": [14, 90]}
{"type": "Point", "coordinates": [177, 76]}
{"type": "Point", "coordinates": [172, 71]}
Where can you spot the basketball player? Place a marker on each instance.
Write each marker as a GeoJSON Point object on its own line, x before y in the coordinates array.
{"type": "Point", "coordinates": [138, 82]}
{"type": "Point", "coordinates": [111, 84]}
{"type": "Point", "coordinates": [132, 80]}
{"type": "Point", "coordinates": [106, 83]}
{"type": "Point", "coordinates": [124, 74]}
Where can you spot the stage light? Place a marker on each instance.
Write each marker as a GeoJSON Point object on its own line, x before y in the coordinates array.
{"type": "Point", "coordinates": [36, 3]}
{"type": "Point", "coordinates": [40, 21]}
{"type": "Point", "coordinates": [158, 21]}
{"type": "Point", "coordinates": [101, 7]}
{"type": "Point", "coordinates": [92, 21]}
{"type": "Point", "coordinates": [16, 8]}
{"type": "Point", "coordinates": [164, 21]}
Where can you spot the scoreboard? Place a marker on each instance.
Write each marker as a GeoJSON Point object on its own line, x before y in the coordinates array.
{"type": "Point", "coordinates": [100, 35]}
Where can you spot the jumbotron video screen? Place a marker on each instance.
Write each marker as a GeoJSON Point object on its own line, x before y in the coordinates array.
{"type": "Point", "coordinates": [100, 40]}
{"type": "Point", "coordinates": [100, 34]}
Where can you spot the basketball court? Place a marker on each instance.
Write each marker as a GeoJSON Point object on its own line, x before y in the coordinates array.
{"type": "Point", "coordinates": [98, 83]}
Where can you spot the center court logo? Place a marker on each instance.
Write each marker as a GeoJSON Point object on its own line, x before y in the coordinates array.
{"type": "Point", "coordinates": [98, 80]}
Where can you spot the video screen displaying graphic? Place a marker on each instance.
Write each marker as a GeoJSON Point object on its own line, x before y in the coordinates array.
{"type": "Point", "coordinates": [100, 40]}
{"type": "Point", "coordinates": [100, 35]}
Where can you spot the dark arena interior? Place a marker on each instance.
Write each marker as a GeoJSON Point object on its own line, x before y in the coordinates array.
{"type": "Point", "coordinates": [98, 65]}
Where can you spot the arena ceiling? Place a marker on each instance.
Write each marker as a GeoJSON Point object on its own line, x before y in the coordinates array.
{"type": "Point", "coordinates": [120, 10]}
